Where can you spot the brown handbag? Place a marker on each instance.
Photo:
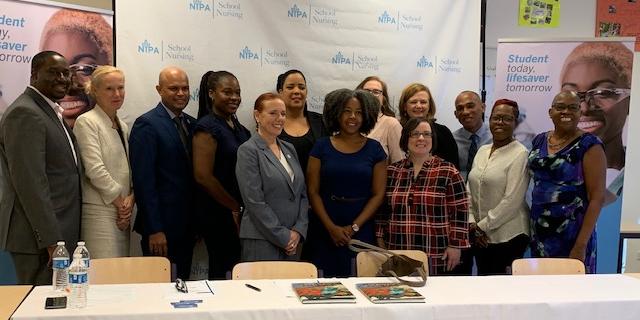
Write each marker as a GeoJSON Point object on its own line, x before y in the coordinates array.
{"type": "Point", "coordinates": [396, 265]}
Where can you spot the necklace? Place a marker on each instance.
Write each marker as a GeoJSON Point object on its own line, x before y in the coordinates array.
{"type": "Point", "coordinates": [558, 144]}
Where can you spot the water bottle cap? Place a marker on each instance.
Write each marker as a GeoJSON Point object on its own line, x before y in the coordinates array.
{"type": "Point", "coordinates": [61, 243]}
{"type": "Point", "coordinates": [80, 243]}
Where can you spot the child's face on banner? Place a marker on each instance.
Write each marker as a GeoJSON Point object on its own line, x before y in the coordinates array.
{"type": "Point", "coordinates": [604, 110]}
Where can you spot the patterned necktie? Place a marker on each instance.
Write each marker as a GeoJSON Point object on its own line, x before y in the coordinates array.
{"type": "Point", "coordinates": [473, 149]}
{"type": "Point", "coordinates": [181, 132]}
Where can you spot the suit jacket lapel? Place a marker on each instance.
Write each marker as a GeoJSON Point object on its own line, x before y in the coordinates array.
{"type": "Point", "coordinates": [170, 127]}
{"type": "Point", "coordinates": [62, 125]}
{"type": "Point", "coordinates": [272, 158]}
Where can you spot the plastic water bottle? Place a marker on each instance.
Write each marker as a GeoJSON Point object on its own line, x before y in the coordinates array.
{"type": "Point", "coordinates": [60, 264]}
{"type": "Point", "coordinates": [78, 282]}
{"type": "Point", "coordinates": [84, 252]}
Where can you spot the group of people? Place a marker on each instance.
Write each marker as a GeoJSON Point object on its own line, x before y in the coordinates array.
{"type": "Point", "coordinates": [301, 186]}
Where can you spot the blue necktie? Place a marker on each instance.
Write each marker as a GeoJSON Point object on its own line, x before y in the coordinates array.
{"type": "Point", "coordinates": [473, 149]}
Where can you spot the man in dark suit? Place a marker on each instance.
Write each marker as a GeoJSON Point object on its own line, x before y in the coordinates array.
{"type": "Point", "coordinates": [41, 196]}
{"type": "Point", "coordinates": [160, 156]}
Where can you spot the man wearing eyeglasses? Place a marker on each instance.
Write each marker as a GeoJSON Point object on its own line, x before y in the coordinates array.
{"type": "Point", "coordinates": [42, 172]}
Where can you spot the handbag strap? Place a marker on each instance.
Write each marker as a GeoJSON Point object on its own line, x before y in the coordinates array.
{"type": "Point", "coordinates": [359, 246]}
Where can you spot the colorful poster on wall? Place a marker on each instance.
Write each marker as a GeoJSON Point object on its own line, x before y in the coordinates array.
{"type": "Point", "coordinates": [539, 13]}
{"type": "Point", "coordinates": [618, 18]}
{"type": "Point", "coordinates": [84, 37]}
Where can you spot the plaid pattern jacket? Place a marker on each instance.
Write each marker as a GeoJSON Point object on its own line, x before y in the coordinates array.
{"type": "Point", "coordinates": [428, 213]}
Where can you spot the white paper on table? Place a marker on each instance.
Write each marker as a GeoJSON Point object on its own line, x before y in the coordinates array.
{"type": "Point", "coordinates": [109, 295]}
{"type": "Point", "coordinates": [202, 286]}
{"type": "Point", "coordinates": [197, 290]}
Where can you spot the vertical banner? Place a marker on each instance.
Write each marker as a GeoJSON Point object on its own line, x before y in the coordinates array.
{"type": "Point", "coordinates": [84, 37]}
{"type": "Point", "coordinates": [533, 72]}
{"type": "Point", "coordinates": [335, 43]}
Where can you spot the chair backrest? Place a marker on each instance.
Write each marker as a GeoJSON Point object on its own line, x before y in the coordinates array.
{"type": "Point", "coordinates": [274, 270]}
{"type": "Point", "coordinates": [368, 263]}
{"type": "Point", "coordinates": [130, 270]}
{"type": "Point", "coordinates": [546, 266]}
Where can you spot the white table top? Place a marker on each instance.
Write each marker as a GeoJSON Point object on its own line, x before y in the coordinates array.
{"type": "Point", "coordinates": [498, 297]}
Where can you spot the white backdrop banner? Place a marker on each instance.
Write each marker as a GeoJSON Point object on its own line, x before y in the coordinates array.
{"type": "Point", "coordinates": [335, 44]}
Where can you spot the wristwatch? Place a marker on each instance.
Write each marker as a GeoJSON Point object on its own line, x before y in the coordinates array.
{"type": "Point", "coordinates": [355, 227]}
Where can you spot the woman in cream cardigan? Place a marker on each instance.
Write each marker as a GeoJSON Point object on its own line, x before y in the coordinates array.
{"type": "Point", "coordinates": [107, 197]}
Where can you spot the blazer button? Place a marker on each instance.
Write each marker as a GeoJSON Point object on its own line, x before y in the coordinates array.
{"type": "Point", "coordinates": [292, 199]}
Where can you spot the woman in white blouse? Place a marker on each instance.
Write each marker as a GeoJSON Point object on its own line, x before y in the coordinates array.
{"type": "Point", "coordinates": [107, 197]}
{"type": "Point", "coordinates": [498, 181]}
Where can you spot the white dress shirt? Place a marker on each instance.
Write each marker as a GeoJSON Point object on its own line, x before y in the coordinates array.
{"type": "Point", "coordinates": [497, 184]}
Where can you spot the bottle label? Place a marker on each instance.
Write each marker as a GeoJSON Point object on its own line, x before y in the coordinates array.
{"type": "Point", "coordinates": [77, 277]}
{"type": "Point", "coordinates": [60, 263]}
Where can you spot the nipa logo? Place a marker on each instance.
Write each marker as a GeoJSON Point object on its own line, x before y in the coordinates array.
{"type": "Point", "coordinates": [247, 54]}
{"type": "Point", "coordinates": [385, 18]}
{"type": "Point", "coordinates": [340, 59]}
{"type": "Point", "coordinates": [424, 63]}
{"type": "Point", "coordinates": [147, 47]}
{"type": "Point", "coordinates": [198, 5]}
{"type": "Point", "coordinates": [295, 12]}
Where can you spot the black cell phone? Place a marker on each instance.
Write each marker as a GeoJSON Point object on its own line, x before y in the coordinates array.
{"type": "Point", "coordinates": [55, 303]}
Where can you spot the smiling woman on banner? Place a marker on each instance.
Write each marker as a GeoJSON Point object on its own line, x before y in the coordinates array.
{"type": "Point", "coordinates": [273, 188]}
{"type": "Point", "coordinates": [217, 137]}
{"type": "Point", "coordinates": [568, 169]}
{"type": "Point", "coordinates": [345, 179]}
{"type": "Point", "coordinates": [600, 72]}
{"type": "Point", "coordinates": [85, 39]}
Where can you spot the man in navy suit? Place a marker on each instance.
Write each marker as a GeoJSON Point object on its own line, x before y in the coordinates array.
{"type": "Point", "coordinates": [160, 155]}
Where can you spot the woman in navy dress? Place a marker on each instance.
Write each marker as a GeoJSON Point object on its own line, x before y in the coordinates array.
{"type": "Point", "coordinates": [217, 137]}
{"type": "Point", "coordinates": [568, 169]}
{"type": "Point", "coordinates": [346, 179]}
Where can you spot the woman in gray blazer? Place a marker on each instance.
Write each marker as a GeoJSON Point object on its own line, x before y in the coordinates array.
{"type": "Point", "coordinates": [272, 185]}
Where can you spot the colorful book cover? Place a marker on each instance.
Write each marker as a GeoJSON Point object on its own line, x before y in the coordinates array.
{"type": "Point", "coordinates": [389, 292]}
{"type": "Point", "coordinates": [323, 292]}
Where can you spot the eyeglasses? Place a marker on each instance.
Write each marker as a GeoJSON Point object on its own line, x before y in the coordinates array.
{"type": "Point", "coordinates": [561, 107]}
{"type": "Point", "coordinates": [417, 134]}
{"type": "Point", "coordinates": [503, 119]}
{"type": "Point", "coordinates": [603, 96]}
{"type": "Point", "coordinates": [374, 92]}
{"type": "Point", "coordinates": [181, 286]}
{"type": "Point", "coordinates": [82, 69]}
